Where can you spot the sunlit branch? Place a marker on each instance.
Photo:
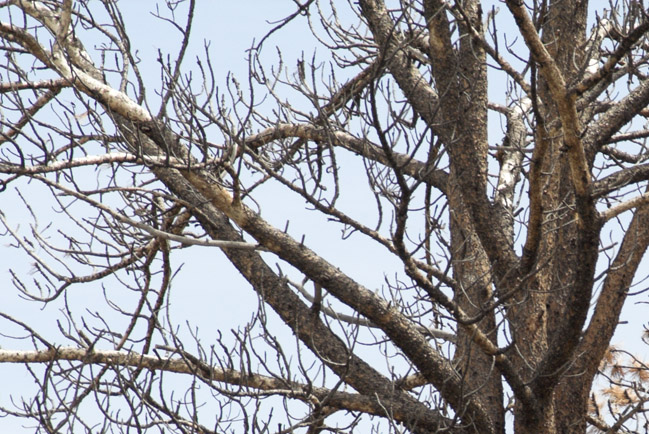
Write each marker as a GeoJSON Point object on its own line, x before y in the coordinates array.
{"type": "Point", "coordinates": [622, 50]}
{"type": "Point", "coordinates": [187, 364]}
{"type": "Point", "coordinates": [57, 83]}
{"type": "Point", "coordinates": [363, 147]}
{"type": "Point", "coordinates": [511, 163]}
{"type": "Point", "coordinates": [624, 206]}
{"type": "Point", "coordinates": [565, 104]}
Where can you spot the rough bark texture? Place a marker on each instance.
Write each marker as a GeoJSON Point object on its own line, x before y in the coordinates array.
{"type": "Point", "coordinates": [515, 257]}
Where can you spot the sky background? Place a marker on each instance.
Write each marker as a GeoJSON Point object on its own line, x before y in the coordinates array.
{"type": "Point", "coordinates": [221, 300]}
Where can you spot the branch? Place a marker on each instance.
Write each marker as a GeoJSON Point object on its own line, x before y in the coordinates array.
{"type": "Point", "coordinates": [223, 244]}
{"type": "Point", "coordinates": [565, 339]}
{"type": "Point", "coordinates": [597, 423]}
{"type": "Point", "coordinates": [306, 325]}
{"type": "Point", "coordinates": [274, 290]}
{"type": "Point", "coordinates": [91, 160]}
{"type": "Point", "coordinates": [28, 114]}
{"type": "Point", "coordinates": [605, 317]}
{"type": "Point", "coordinates": [639, 407]}
{"type": "Point", "coordinates": [393, 55]}
{"type": "Point", "coordinates": [511, 163]}
{"type": "Point", "coordinates": [187, 364]}
{"type": "Point", "coordinates": [536, 184]}
{"type": "Point", "coordinates": [616, 153]}
{"type": "Point", "coordinates": [363, 147]}
{"type": "Point", "coordinates": [463, 113]}
{"type": "Point", "coordinates": [10, 86]}
{"type": "Point", "coordinates": [504, 65]}
{"type": "Point", "coordinates": [158, 140]}
{"type": "Point", "coordinates": [19, 36]}
{"type": "Point", "coordinates": [393, 323]}
{"type": "Point", "coordinates": [620, 179]}
{"type": "Point", "coordinates": [349, 319]}
{"type": "Point", "coordinates": [609, 67]}
{"type": "Point", "coordinates": [565, 105]}
{"type": "Point", "coordinates": [133, 255]}
{"type": "Point", "coordinates": [624, 206]}
{"type": "Point", "coordinates": [599, 133]}
{"type": "Point", "coordinates": [338, 100]}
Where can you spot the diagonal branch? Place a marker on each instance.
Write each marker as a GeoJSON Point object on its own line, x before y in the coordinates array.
{"type": "Point", "coordinates": [610, 302]}
{"type": "Point", "coordinates": [612, 120]}
{"type": "Point", "coordinates": [613, 212]}
{"type": "Point", "coordinates": [29, 113]}
{"type": "Point", "coordinates": [136, 123]}
{"type": "Point", "coordinates": [152, 138]}
{"type": "Point", "coordinates": [434, 333]}
{"type": "Point", "coordinates": [396, 326]}
{"type": "Point", "coordinates": [275, 291]}
{"type": "Point", "coordinates": [620, 179]}
{"type": "Point", "coordinates": [606, 70]}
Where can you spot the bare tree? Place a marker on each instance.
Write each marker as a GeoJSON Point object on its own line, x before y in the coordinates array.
{"type": "Point", "coordinates": [517, 238]}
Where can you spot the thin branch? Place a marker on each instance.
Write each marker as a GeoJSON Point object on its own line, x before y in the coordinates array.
{"type": "Point", "coordinates": [187, 364]}
{"type": "Point", "coordinates": [355, 320]}
{"type": "Point", "coordinates": [151, 230]}
{"type": "Point", "coordinates": [409, 165]}
{"type": "Point", "coordinates": [609, 67]}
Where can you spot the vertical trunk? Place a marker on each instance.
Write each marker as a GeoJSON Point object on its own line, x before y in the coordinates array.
{"type": "Point", "coordinates": [564, 32]}
{"type": "Point", "coordinates": [472, 271]}
{"type": "Point", "coordinates": [558, 259]}
{"type": "Point", "coordinates": [471, 265]}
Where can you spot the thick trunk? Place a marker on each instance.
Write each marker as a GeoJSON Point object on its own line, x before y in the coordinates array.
{"type": "Point", "coordinates": [561, 259]}
{"type": "Point", "coordinates": [471, 265]}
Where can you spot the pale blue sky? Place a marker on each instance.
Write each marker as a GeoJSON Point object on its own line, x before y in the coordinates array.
{"type": "Point", "coordinates": [220, 299]}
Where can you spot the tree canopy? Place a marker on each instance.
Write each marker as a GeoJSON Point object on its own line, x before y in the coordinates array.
{"type": "Point", "coordinates": [430, 220]}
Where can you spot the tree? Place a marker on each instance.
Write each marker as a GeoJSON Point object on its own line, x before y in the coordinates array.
{"type": "Point", "coordinates": [517, 248]}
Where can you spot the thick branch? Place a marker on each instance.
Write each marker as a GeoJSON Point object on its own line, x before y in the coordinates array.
{"type": "Point", "coordinates": [624, 206]}
{"type": "Point", "coordinates": [298, 316]}
{"type": "Point", "coordinates": [400, 330]}
{"type": "Point", "coordinates": [311, 330]}
{"type": "Point", "coordinates": [620, 180]}
{"type": "Point", "coordinates": [566, 337]}
{"type": "Point", "coordinates": [566, 106]}
{"type": "Point", "coordinates": [462, 113]}
{"type": "Point", "coordinates": [319, 338]}
{"type": "Point", "coordinates": [605, 319]}
{"type": "Point", "coordinates": [600, 132]}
